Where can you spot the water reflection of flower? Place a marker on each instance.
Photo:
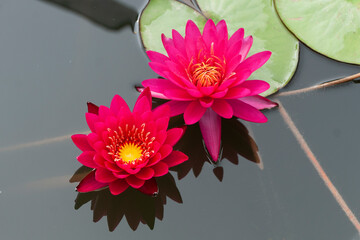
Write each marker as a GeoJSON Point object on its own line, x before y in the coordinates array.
{"type": "Point", "coordinates": [127, 148]}
{"type": "Point", "coordinates": [131, 204]}
{"type": "Point", "coordinates": [235, 141]}
{"type": "Point", "coordinates": [206, 79]}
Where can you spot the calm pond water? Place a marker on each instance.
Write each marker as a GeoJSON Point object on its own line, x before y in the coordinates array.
{"type": "Point", "coordinates": [53, 60]}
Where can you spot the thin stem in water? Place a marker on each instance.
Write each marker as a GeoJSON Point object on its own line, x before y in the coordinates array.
{"type": "Point", "coordinates": [40, 142]}
{"type": "Point", "coordinates": [320, 86]}
{"type": "Point", "coordinates": [340, 200]}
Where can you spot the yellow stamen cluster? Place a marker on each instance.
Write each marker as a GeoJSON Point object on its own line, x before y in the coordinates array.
{"type": "Point", "coordinates": [206, 74]}
{"type": "Point", "coordinates": [206, 71]}
{"type": "Point", "coordinates": [130, 145]}
{"type": "Point", "coordinates": [129, 152]}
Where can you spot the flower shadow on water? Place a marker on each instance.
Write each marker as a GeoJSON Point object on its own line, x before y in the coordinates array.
{"type": "Point", "coordinates": [235, 141]}
{"type": "Point", "coordinates": [109, 14]}
{"type": "Point", "coordinates": [135, 206]}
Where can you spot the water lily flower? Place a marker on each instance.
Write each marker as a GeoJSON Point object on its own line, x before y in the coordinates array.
{"type": "Point", "coordinates": [206, 78]}
{"type": "Point", "coordinates": [127, 148]}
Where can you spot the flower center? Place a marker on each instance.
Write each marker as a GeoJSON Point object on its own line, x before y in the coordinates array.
{"type": "Point", "coordinates": [206, 71]}
{"type": "Point", "coordinates": [130, 145]}
{"type": "Point", "coordinates": [129, 152]}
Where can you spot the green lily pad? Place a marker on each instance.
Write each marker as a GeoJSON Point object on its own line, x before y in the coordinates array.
{"type": "Point", "coordinates": [257, 17]}
{"type": "Point", "coordinates": [330, 27]}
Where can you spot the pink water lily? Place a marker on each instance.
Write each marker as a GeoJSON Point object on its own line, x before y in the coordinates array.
{"type": "Point", "coordinates": [206, 78]}
{"type": "Point", "coordinates": [127, 149]}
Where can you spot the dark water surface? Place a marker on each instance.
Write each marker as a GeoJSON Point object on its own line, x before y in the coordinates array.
{"type": "Point", "coordinates": [53, 61]}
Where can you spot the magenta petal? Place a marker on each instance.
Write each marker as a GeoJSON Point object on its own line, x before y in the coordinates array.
{"type": "Point", "coordinates": [162, 123]}
{"type": "Point", "coordinates": [81, 141]}
{"type": "Point", "coordinates": [210, 33]}
{"type": "Point", "coordinates": [175, 158]}
{"type": "Point", "coordinates": [210, 126]}
{"type": "Point", "coordinates": [206, 102]}
{"type": "Point", "coordinates": [90, 120]}
{"type": "Point", "coordinates": [237, 92]}
{"type": "Point", "coordinates": [144, 101]}
{"type": "Point", "coordinates": [86, 159]}
{"type": "Point", "coordinates": [157, 57]}
{"type": "Point", "coordinates": [117, 103]}
{"type": "Point", "coordinates": [93, 138]}
{"type": "Point", "coordinates": [173, 53]}
{"type": "Point", "coordinates": [99, 160]}
{"type": "Point", "coordinates": [103, 175]}
{"type": "Point", "coordinates": [99, 128]}
{"type": "Point", "coordinates": [222, 108]}
{"type": "Point", "coordinates": [192, 30]}
{"type": "Point", "coordinates": [232, 65]}
{"type": "Point", "coordinates": [159, 95]}
{"type": "Point", "coordinates": [178, 75]}
{"type": "Point", "coordinates": [112, 167]}
{"type": "Point", "coordinates": [160, 137]}
{"type": "Point", "coordinates": [192, 36]}
{"type": "Point", "coordinates": [159, 68]}
{"type": "Point", "coordinates": [134, 181]}
{"type": "Point", "coordinates": [121, 174]}
{"type": "Point", "coordinates": [222, 30]}
{"type": "Point", "coordinates": [236, 37]}
{"type": "Point", "coordinates": [255, 61]}
{"type": "Point", "coordinates": [173, 136]}
{"type": "Point", "coordinates": [179, 41]}
{"type": "Point", "coordinates": [150, 187]}
{"type": "Point", "coordinates": [161, 111]}
{"type": "Point", "coordinates": [89, 183]}
{"type": "Point", "coordinates": [259, 102]}
{"type": "Point", "coordinates": [235, 44]}
{"type": "Point", "coordinates": [142, 105]}
{"type": "Point", "coordinates": [207, 90]}
{"type": "Point", "coordinates": [145, 173]}
{"type": "Point", "coordinates": [178, 94]}
{"type": "Point", "coordinates": [158, 84]}
{"type": "Point", "coordinates": [92, 108]}
{"type": "Point", "coordinates": [220, 94]}
{"type": "Point", "coordinates": [99, 146]}
{"type": "Point", "coordinates": [195, 93]}
{"type": "Point", "coordinates": [233, 51]}
{"type": "Point", "coordinates": [177, 107]}
{"type": "Point", "coordinates": [220, 47]}
{"type": "Point", "coordinates": [241, 75]}
{"type": "Point", "coordinates": [245, 48]}
{"type": "Point", "coordinates": [246, 112]}
{"type": "Point", "coordinates": [128, 169]}
{"type": "Point", "coordinates": [118, 186]}
{"type": "Point", "coordinates": [160, 169]}
{"type": "Point", "coordinates": [165, 150]}
{"type": "Point", "coordinates": [155, 159]}
{"type": "Point", "coordinates": [255, 86]}
{"type": "Point", "coordinates": [193, 112]}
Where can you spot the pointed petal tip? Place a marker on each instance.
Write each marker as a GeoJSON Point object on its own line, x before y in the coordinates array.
{"type": "Point", "coordinates": [139, 88]}
{"type": "Point", "coordinates": [150, 187]}
{"type": "Point", "coordinates": [190, 22]}
{"type": "Point", "coordinates": [222, 21]}
{"type": "Point", "coordinates": [144, 94]}
{"type": "Point", "coordinates": [89, 184]}
{"type": "Point", "coordinates": [214, 156]}
{"type": "Point", "coordinates": [184, 130]}
{"type": "Point", "coordinates": [210, 127]}
{"type": "Point", "coordinates": [92, 108]}
{"type": "Point", "coordinates": [164, 39]}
